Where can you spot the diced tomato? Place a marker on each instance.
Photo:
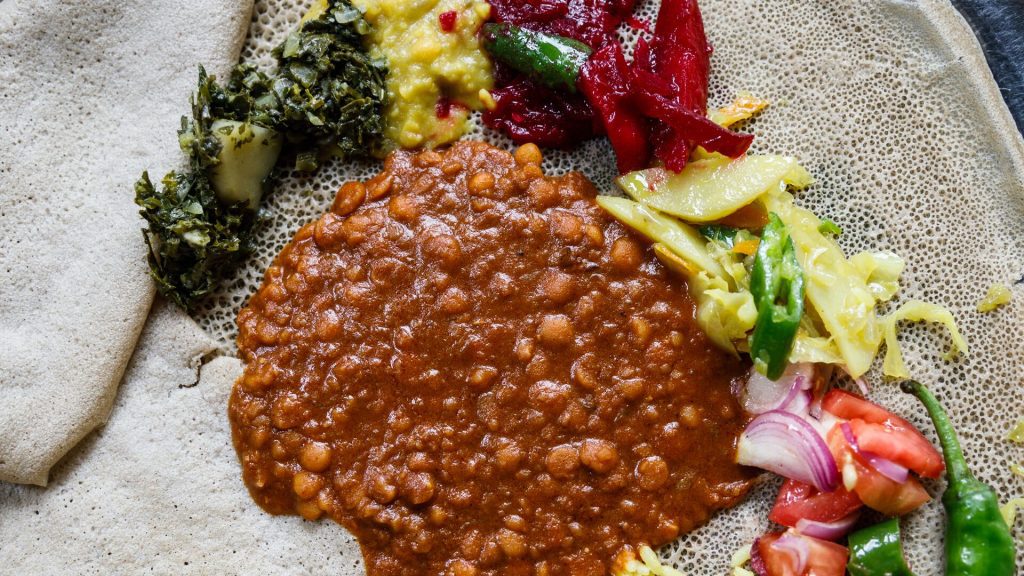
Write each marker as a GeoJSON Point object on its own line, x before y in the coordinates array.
{"type": "Point", "coordinates": [883, 433]}
{"type": "Point", "coordinates": [849, 406]}
{"type": "Point", "coordinates": [875, 490]}
{"type": "Point", "coordinates": [797, 500]}
{"type": "Point", "coordinates": [906, 447]}
{"type": "Point", "coordinates": [823, 558]}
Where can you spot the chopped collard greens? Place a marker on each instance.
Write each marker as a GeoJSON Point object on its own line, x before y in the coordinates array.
{"type": "Point", "coordinates": [331, 92]}
{"type": "Point", "coordinates": [244, 99]}
{"type": "Point", "coordinates": [326, 98]}
{"type": "Point", "coordinates": [193, 236]}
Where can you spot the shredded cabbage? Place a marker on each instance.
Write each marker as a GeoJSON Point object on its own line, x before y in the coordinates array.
{"type": "Point", "coordinates": [739, 560]}
{"type": "Point", "coordinates": [917, 311]}
{"type": "Point", "coordinates": [732, 263]}
{"type": "Point", "coordinates": [811, 346]}
{"type": "Point", "coordinates": [1017, 434]}
{"type": "Point", "coordinates": [881, 272]}
{"type": "Point", "coordinates": [835, 287]}
{"type": "Point", "coordinates": [814, 349]}
{"type": "Point", "coordinates": [725, 316]}
{"type": "Point", "coordinates": [997, 295]}
{"type": "Point", "coordinates": [1009, 510]}
{"type": "Point", "coordinates": [647, 565]}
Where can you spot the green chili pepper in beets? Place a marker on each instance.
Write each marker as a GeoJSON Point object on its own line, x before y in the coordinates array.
{"type": "Point", "coordinates": [777, 284]}
{"type": "Point", "coordinates": [878, 551]}
{"type": "Point", "coordinates": [554, 61]}
{"type": "Point", "coordinates": [978, 541]}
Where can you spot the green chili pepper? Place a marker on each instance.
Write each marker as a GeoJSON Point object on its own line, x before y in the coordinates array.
{"type": "Point", "coordinates": [777, 284]}
{"type": "Point", "coordinates": [554, 61]}
{"type": "Point", "coordinates": [978, 541]}
{"type": "Point", "coordinates": [878, 551]}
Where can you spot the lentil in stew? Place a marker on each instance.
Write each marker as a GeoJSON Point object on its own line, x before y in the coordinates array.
{"type": "Point", "coordinates": [475, 370]}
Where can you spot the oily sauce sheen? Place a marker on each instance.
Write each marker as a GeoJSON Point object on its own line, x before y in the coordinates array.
{"type": "Point", "coordinates": [476, 371]}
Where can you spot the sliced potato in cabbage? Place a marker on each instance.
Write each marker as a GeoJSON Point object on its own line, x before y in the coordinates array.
{"type": "Point", "coordinates": [712, 188]}
{"type": "Point", "coordinates": [685, 241]}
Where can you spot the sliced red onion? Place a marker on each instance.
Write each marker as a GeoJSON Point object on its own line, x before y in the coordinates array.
{"type": "Point", "coordinates": [884, 466]}
{"type": "Point", "coordinates": [799, 404]}
{"type": "Point", "coordinates": [827, 530]}
{"type": "Point", "coordinates": [789, 446]}
{"type": "Point", "coordinates": [848, 435]}
{"type": "Point", "coordinates": [763, 395]}
{"type": "Point", "coordinates": [862, 385]}
{"type": "Point", "coordinates": [815, 411]}
{"type": "Point", "coordinates": [824, 422]}
{"type": "Point", "coordinates": [756, 561]}
{"type": "Point", "coordinates": [796, 547]}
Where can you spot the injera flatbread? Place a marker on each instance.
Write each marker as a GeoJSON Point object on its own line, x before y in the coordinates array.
{"type": "Point", "coordinates": [889, 105]}
{"type": "Point", "coordinates": [90, 95]}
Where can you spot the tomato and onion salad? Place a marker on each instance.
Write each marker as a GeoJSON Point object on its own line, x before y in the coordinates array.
{"type": "Point", "coordinates": [853, 455]}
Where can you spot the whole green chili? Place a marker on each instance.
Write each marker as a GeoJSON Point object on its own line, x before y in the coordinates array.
{"type": "Point", "coordinates": [978, 541]}
{"type": "Point", "coordinates": [777, 284]}
{"type": "Point", "coordinates": [878, 551]}
{"type": "Point", "coordinates": [554, 61]}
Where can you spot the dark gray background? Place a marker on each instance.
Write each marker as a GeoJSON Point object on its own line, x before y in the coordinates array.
{"type": "Point", "coordinates": [999, 25]}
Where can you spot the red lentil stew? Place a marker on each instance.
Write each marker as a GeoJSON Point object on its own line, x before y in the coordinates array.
{"type": "Point", "coordinates": [475, 370]}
